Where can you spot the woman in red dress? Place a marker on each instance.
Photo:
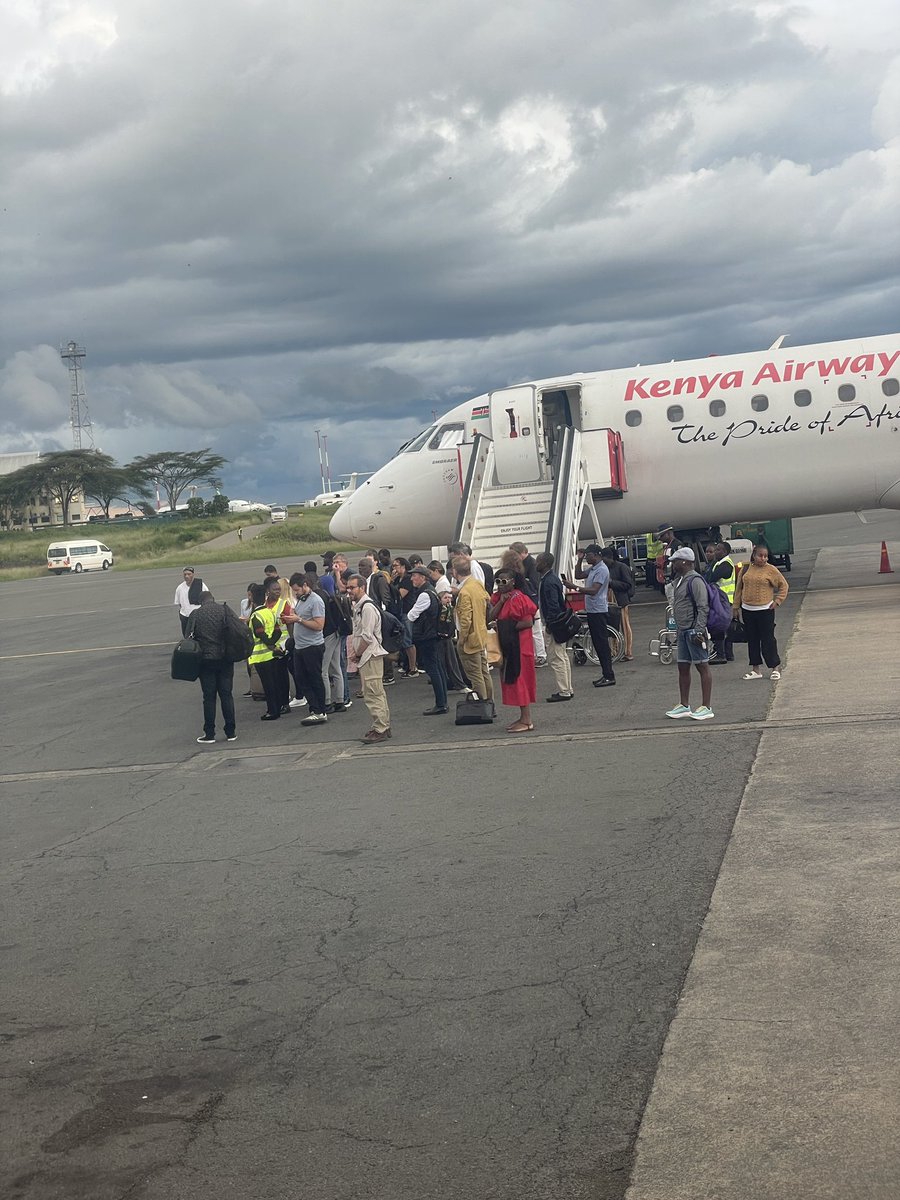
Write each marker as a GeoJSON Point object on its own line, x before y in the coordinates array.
{"type": "Point", "coordinates": [514, 614]}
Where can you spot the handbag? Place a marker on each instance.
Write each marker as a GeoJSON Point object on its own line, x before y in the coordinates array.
{"type": "Point", "coordinates": [565, 627]}
{"type": "Point", "coordinates": [186, 659]}
{"type": "Point", "coordinates": [736, 631]}
{"type": "Point", "coordinates": [473, 711]}
{"type": "Point", "coordinates": [494, 653]}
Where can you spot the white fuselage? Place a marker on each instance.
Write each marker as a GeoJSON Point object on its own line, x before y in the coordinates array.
{"type": "Point", "coordinates": [781, 433]}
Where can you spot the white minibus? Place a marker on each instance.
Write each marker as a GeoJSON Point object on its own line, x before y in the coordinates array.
{"type": "Point", "coordinates": [78, 557]}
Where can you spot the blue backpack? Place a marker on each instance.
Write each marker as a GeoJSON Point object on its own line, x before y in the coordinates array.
{"type": "Point", "coordinates": [720, 614]}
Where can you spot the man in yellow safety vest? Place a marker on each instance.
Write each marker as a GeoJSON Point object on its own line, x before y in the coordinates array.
{"type": "Point", "coordinates": [720, 572]}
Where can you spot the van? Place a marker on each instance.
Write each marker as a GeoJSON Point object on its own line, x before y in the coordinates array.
{"type": "Point", "coordinates": [78, 557]}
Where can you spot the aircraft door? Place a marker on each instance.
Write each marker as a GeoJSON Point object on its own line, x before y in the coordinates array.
{"type": "Point", "coordinates": [516, 434]}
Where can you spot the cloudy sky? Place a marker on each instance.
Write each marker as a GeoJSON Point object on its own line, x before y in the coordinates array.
{"type": "Point", "coordinates": [261, 217]}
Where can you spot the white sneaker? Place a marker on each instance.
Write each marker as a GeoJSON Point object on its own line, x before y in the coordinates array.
{"type": "Point", "coordinates": [314, 719]}
{"type": "Point", "coordinates": [680, 710]}
{"type": "Point", "coordinates": [299, 703]}
{"type": "Point", "coordinates": [703, 713]}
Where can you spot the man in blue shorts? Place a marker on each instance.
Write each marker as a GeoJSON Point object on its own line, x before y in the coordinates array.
{"type": "Point", "coordinates": [690, 605]}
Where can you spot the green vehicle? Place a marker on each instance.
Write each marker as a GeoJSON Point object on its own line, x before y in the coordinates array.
{"type": "Point", "coordinates": [777, 535]}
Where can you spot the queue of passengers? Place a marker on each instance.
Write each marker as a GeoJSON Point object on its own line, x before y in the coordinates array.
{"type": "Point", "coordinates": [316, 630]}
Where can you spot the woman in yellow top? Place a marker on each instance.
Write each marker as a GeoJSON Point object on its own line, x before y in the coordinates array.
{"type": "Point", "coordinates": [760, 589]}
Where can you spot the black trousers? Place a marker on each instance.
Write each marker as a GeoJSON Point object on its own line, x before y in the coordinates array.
{"type": "Point", "coordinates": [217, 680]}
{"type": "Point", "coordinates": [761, 644]}
{"type": "Point", "coordinates": [452, 666]}
{"type": "Point", "coordinates": [270, 673]}
{"type": "Point", "coordinates": [600, 637]}
{"type": "Point", "coordinates": [308, 675]}
{"type": "Point", "coordinates": [429, 654]}
{"type": "Point", "coordinates": [184, 624]}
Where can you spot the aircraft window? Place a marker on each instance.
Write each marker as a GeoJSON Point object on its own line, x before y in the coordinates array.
{"type": "Point", "coordinates": [633, 418]}
{"type": "Point", "coordinates": [675, 413]}
{"type": "Point", "coordinates": [418, 442]}
{"type": "Point", "coordinates": [890, 387]}
{"type": "Point", "coordinates": [448, 436]}
{"type": "Point", "coordinates": [759, 403]}
{"type": "Point", "coordinates": [846, 392]}
{"type": "Point", "coordinates": [717, 408]}
{"type": "Point", "coordinates": [803, 397]}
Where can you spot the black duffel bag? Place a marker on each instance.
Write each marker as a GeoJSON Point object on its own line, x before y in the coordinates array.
{"type": "Point", "coordinates": [472, 711]}
{"type": "Point", "coordinates": [186, 659]}
{"type": "Point", "coordinates": [736, 631]}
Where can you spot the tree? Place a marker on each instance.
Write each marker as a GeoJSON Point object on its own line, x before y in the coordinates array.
{"type": "Point", "coordinates": [176, 470]}
{"type": "Point", "coordinates": [62, 474]}
{"type": "Point", "coordinates": [196, 507]}
{"type": "Point", "coordinates": [107, 484]}
{"type": "Point", "coordinates": [15, 493]}
{"type": "Point", "coordinates": [218, 506]}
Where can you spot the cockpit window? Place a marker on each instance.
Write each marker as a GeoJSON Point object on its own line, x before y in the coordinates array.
{"type": "Point", "coordinates": [448, 436]}
{"type": "Point", "coordinates": [419, 441]}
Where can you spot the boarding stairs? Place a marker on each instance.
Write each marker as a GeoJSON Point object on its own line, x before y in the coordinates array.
{"type": "Point", "coordinates": [545, 514]}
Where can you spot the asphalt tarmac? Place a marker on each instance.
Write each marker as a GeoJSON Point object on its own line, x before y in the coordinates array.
{"type": "Point", "coordinates": [296, 967]}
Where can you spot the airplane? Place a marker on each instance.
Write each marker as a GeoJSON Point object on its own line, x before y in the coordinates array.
{"type": "Point", "coordinates": [338, 495]}
{"type": "Point", "coordinates": [781, 433]}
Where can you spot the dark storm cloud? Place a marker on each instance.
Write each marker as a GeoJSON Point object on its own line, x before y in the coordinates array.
{"type": "Point", "coordinates": [257, 216]}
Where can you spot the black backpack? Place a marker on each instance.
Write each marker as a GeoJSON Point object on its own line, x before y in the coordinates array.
{"type": "Point", "coordinates": [488, 576]}
{"type": "Point", "coordinates": [392, 631]}
{"type": "Point", "coordinates": [339, 619]}
{"type": "Point", "coordinates": [236, 637]}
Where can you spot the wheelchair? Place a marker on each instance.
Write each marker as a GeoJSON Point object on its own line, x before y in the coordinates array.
{"type": "Point", "coordinates": [664, 645]}
{"type": "Point", "coordinates": [583, 648]}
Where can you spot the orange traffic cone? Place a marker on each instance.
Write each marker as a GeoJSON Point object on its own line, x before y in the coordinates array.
{"type": "Point", "coordinates": [886, 568]}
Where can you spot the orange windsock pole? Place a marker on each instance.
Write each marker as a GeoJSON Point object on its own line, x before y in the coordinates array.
{"type": "Point", "coordinates": [885, 568]}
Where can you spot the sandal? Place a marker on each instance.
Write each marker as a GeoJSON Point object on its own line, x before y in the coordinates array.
{"type": "Point", "coordinates": [752, 675]}
{"type": "Point", "coordinates": [518, 727]}
{"type": "Point", "coordinates": [627, 658]}
{"type": "Point", "coordinates": [776, 674]}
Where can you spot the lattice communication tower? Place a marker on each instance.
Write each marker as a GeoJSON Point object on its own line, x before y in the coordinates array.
{"type": "Point", "coordinates": [80, 417]}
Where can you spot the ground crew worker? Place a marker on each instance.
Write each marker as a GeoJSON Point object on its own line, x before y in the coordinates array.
{"type": "Point", "coordinates": [722, 574]}
{"type": "Point", "coordinates": [267, 632]}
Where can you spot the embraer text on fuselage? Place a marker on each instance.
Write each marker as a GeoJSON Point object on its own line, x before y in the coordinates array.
{"type": "Point", "coordinates": [790, 371]}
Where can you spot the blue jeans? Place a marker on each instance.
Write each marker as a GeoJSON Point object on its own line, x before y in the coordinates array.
{"type": "Point", "coordinates": [430, 657]}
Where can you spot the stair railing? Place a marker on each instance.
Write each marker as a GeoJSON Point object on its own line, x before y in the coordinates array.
{"type": "Point", "coordinates": [571, 498]}
{"type": "Point", "coordinates": [481, 468]}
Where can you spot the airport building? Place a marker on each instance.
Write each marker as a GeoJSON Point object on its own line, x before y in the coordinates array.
{"type": "Point", "coordinates": [40, 511]}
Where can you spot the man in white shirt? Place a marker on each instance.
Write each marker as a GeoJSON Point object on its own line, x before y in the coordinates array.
{"type": "Point", "coordinates": [187, 596]}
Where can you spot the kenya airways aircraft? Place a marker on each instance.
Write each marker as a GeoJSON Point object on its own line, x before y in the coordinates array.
{"type": "Point", "coordinates": [782, 433]}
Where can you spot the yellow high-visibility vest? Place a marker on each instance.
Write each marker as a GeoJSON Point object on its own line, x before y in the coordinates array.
{"type": "Point", "coordinates": [728, 585]}
{"type": "Point", "coordinates": [262, 652]}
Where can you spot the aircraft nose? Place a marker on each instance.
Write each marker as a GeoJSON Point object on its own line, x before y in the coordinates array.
{"type": "Point", "coordinates": [340, 526]}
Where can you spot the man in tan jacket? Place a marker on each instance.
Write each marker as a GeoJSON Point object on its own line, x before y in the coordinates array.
{"type": "Point", "coordinates": [368, 649]}
{"type": "Point", "coordinates": [471, 621]}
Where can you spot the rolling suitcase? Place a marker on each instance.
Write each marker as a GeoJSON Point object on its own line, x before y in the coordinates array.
{"type": "Point", "coordinates": [256, 688]}
{"type": "Point", "coordinates": [472, 711]}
